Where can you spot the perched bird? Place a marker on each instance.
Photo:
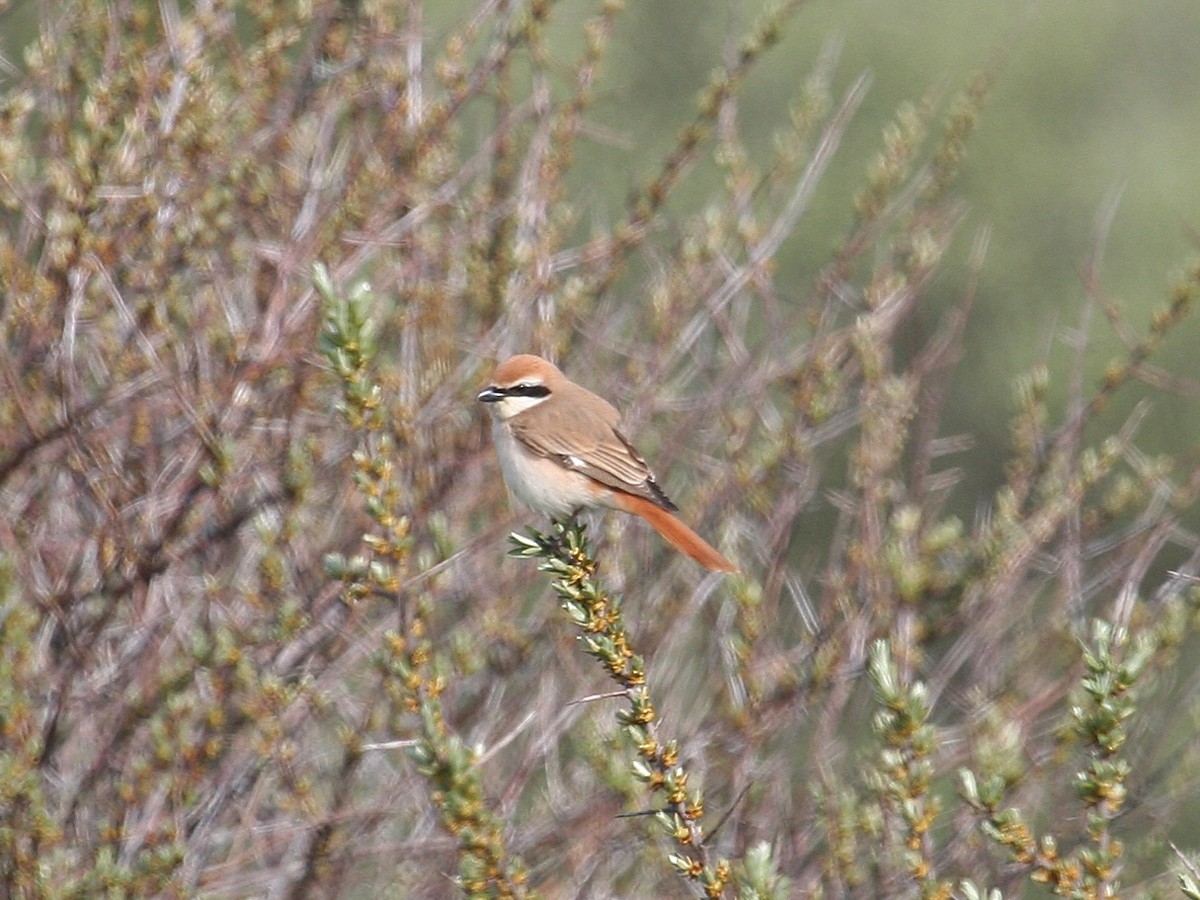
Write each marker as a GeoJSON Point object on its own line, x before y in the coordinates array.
{"type": "Point", "coordinates": [560, 450]}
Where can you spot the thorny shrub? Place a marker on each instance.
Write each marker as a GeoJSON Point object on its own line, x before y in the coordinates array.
{"type": "Point", "coordinates": [259, 634]}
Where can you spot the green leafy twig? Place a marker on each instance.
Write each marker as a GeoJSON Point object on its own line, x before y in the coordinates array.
{"type": "Point", "coordinates": [407, 659]}
{"type": "Point", "coordinates": [904, 774]}
{"type": "Point", "coordinates": [597, 614]}
{"type": "Point", "coordinates": [1114, 663]}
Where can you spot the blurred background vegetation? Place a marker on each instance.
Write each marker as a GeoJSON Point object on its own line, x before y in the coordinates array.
{"type": "Point", "coordinates": [1095, 117]}
{"type": "Point", "coordinates": [212, 685]}
{"type": "Point", "coordinates": [1095, 107]}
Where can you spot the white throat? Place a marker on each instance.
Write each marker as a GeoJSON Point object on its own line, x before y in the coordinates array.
{"type": "Point", "coordinates": [510, 406]}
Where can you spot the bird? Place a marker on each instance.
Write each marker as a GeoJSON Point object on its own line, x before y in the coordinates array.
{"type": "Point", "coordinates": [561, 450]}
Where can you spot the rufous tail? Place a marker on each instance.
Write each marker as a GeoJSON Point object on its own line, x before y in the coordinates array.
{"type": "Point", "coordinates": [675, 532]}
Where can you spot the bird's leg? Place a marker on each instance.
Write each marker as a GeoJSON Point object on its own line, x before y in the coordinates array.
{"type": "Point", "coordinates": [558, 531]}
{"type": "Point", "coordinates": [561, 526]}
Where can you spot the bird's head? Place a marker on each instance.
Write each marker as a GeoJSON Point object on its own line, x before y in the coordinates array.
{"type": "Point", "coordinates": [519, 383]}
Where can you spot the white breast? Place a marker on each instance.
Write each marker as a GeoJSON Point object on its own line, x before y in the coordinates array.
{"type": "Point", "coordinates": [540, 483]}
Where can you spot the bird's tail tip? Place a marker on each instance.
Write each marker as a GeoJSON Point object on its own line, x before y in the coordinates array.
{"type": "Point", "coordinates": [679, 534]}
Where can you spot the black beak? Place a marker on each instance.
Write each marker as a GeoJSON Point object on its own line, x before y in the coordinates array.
{"type": "Point", "coordinates": [491, 394]}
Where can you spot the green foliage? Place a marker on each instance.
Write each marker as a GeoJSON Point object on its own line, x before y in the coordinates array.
{"type": "Point", "coordinates": [603, 636]}
{"type": "Point", "coordinates": [1112, 667]}
{"type": "Point", "coordinates": [407, 661]}
{"type": "Point", "coordinates": [258, 633]}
